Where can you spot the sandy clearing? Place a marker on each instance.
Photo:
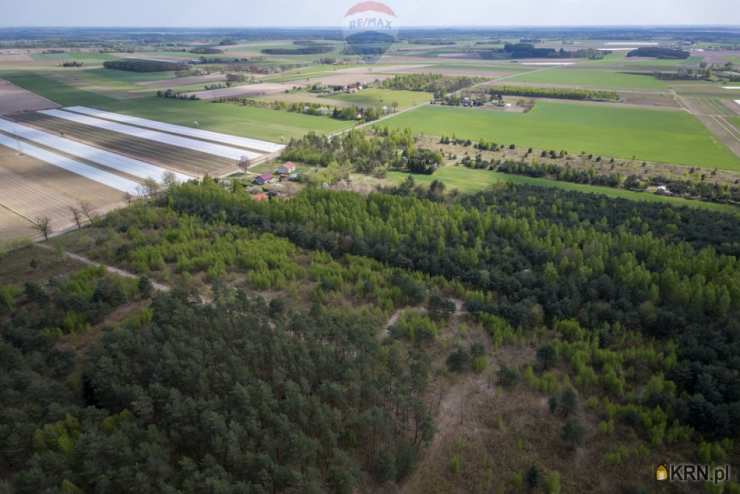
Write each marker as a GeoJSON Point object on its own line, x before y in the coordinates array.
{"type": "Point", "coordinates": [260, 89]}
{"type": "Point", "coordinates": [183, 81]}
{"type": "Point", "coordinates": [365, 70]}
{"type": "Point", "coordinates": [31, 188]}
{"type": "Point", "coordinates": [14, 227]}
{"type": "Point", "coordinates": [15, 99]}
{"type": "Point", "coordinates": [14, 57]}
{"type": "Point", "coordinates": [634, 43]}
{"type": "Point", "coordinates": [472, 72]}
{"type": "Point", "coordinates": [347, 79]}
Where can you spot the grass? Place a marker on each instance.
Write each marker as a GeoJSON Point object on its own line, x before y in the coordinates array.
{"type": "Point", "coordinates": [57, 91]}
{"type": "Point", "coordinates": [471, 180]}
{"type": "Point", "coordinates": [647, 134]}
{"type": "Point", "coordinates": [736, 122]}
{"type": "Point", "coordinates": [385, 97]}
{"type": "Point", "coordinates": [593, 78]}
{"type": "Point", "coordinates": [259, 123]}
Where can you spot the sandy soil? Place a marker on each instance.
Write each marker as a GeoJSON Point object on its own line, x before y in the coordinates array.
{"type": "Point", "coordinates": [261, 89]}
{"type": "Point", "coordinates": [14, 227]}
{"type": "Point", "coordinates": [14, 99]}
{"type": "Point", "coordinates": [32, 189]}
{"type": "Point", "coordinates": [14, 56]}
{"type": "Point", "coordinates": [648, 99]}
{"type": "Point", "coordinates": [338, 79]}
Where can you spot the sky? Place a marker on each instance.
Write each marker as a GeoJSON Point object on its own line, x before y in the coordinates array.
{"type": "Point", "coordinates": [254, 13]}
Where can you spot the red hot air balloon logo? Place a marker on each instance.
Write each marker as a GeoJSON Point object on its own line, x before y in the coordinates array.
{"type": "Point", "coordinates": [369, 28]}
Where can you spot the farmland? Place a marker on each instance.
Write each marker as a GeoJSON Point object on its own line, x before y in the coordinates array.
{"type": "Point", "coordinates": [646, 134]}
{"type": "Point", "coordinates": [59, 92]}
{"type": "Point", "coordinates": [385, 97]}
{"type": "Point", "coordinates": [172, 157]}
{"type": "Point", "coordinates": [33, 189]}
{"type": "Point", "coordinates": [591, 78]}
{"type": "Point", "coordinates": [259, 123]}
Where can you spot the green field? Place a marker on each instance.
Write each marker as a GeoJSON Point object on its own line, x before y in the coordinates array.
{"type": "Point", "coordinates": [736, 122]}
{"type": "Point", "coordinates": [471, 180]}
{"type": "Point", "coordinates": [593, 78]}
{"type": "Point", "coordinates": [260, 123]}
{"type": "Point", "coordinates": [385, 97]}
{"type": "Point", "coordinates": [57, 91]}
{"type": "Point", "coordinates": [647, 134]}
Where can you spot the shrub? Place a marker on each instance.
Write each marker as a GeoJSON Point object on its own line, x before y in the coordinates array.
{"type": "Point", "coordinates": [508, 377]}
{"type": "Point", "coordinates": [573, 433]}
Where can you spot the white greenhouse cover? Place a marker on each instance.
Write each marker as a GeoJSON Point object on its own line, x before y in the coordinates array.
{"type": "Point", "coordinates": [87, 171]}
{"type": "Point", "coordinates": [153, 135]}
{"type": "Point", "coordinates": [245, 142]}
{"type": "Point", "coordinates": [115, 161]}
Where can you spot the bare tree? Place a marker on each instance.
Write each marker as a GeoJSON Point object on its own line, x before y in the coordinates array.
{"type": "Point", "coordinates": [149, 187]}
{"type": "Point", "coordinates": [244, 163]}
{"type": "Point", "coordinates": [76, 215]}
{"type": "Point", "coordinates": [88, 212]}
{"type": "Point", "coordinates": [43, 225]}
{"type": "Point", "coordinates": [169, 179]}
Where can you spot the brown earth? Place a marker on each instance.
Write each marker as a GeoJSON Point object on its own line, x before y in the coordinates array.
{"type": "Point", "coordinates": [33, 189]}
{"type": "Point", "coordinates": [14, 99]}
{"type": "Point", "coordinates": [14, 227]}
{"type": "Point", "coordinates": [260, 89]}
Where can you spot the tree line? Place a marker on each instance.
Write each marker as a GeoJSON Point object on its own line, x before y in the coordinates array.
{"type": "Point", "coordinates": [395, 149]}
{"type": "Point", "coordinates": [432, 83]}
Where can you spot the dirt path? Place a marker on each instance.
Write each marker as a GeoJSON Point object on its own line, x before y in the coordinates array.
{"type": "Point", "coordinates": [716, 123]}
{"type": "Point", "coordinates": [111, 269]}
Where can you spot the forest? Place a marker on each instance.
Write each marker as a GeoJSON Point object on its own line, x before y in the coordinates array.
{"type": "Point", "coordinates": [365, 154]}
{"type": "Point", "coordinates": [662, 53]}
{"type": "Point", "coordinates": [563, 93]}
{"type": "Point", "coordinates": [143, 65]}
{"type": "Point", "coordinates": [604, 268]}
{"type": "Point", "coordinates": [634, 307]}
{"type": "Point", "coordinates": [302, 50]}
{"type": "Point", "coordinates": [432, 83]}
{"type": "Point", "coordinates": [233, 396]}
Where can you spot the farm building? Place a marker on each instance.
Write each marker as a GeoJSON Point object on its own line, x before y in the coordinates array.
{"type": "Point", "coordinates": [286, 168]}
{"type": "Point", "coordinates": [264, 179]}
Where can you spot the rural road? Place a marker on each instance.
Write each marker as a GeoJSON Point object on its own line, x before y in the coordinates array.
{"type": "Point", "coordinates": [111, 269]}
{"type": "Point", "coordinates": [716, 123]}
